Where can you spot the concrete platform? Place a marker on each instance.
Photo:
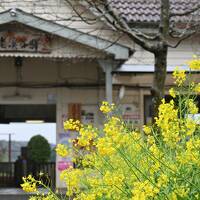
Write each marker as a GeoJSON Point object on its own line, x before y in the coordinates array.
{"type": "Point", "coordinates": [16, 194]}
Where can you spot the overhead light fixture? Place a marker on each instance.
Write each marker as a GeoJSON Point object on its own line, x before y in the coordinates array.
{"type": "Point", "coordinates": [35, 121]}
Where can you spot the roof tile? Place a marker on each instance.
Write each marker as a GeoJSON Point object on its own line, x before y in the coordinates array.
{"type": "Point", "coordinates": [135, 11]}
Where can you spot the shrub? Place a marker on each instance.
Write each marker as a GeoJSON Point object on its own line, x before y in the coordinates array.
{"type": "Point", "coordinates": [39, 149]}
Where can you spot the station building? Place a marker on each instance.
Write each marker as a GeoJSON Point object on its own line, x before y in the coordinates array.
{"type": "Point", "coordinates": [52, 69]}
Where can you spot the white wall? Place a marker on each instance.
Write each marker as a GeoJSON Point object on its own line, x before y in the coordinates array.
{"type": "Point", "coordinates": [176, 56]}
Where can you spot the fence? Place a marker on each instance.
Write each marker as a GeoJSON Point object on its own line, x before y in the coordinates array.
{"type": "Point", "coordinates": [11, 173]}
{"type": "Point", "coordinates": [46, 169]}
{"type": "Point", "coordinates": [7, 174]}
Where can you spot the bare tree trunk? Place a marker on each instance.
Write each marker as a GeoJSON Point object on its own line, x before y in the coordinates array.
{"type": "Point", "coordinates": [158, 89]}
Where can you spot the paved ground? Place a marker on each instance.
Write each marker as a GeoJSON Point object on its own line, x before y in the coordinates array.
{"type": "Point", "coordinates": [14, 194]}
{"type": "Point", "coordinates": [11, 191]}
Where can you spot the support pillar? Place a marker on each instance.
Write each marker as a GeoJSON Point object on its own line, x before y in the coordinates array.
{"type": "Point", "coordinates": [108, 66]}
{"type": "Point", "coordinates": [109, 86]}
{"type": "Point", "coordinates": [59, 129]}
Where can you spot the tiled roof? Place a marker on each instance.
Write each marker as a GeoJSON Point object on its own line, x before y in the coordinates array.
{"type": "Point", "coordinates": [148, 11]}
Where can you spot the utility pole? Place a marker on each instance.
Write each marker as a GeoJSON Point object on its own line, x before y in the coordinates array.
{"type": "Point", "coordinates": [9, 145]}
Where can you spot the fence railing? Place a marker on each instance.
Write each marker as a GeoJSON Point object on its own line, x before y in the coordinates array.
{"type": "Point", "coordinates": [44, 171]}
{"type": "Point", "coordinates": [7, 174]}
{"type": "Point", "coordinates": [11, 173]}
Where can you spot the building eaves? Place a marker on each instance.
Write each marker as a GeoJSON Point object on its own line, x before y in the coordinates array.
{"type": "Point", "coordinates": [118, 51]}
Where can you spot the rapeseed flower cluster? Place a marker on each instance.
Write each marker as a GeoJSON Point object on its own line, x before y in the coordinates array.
{"type": "Point", "coordinates": [172, 92]}
{"type": "Point", "coordinates": [146, 129]}
{"type": "Point", "coordinates": [193, 109]}
{"type": "Point", "coordinates": [106, 107]}
{"type": "Point", "coordinates": [72, 125]}
{"type": "Point", "coordinates": [30, 184]}
{"type": "Point", "coordinates": [48, 196]}
{"type": "Point", "coordinates": [72, 178]}
{"type": "Point", "coordinates": [130, 165]}
{"type": "Point", "coordinates": [194, 64]}
{"type": "Point", "coordinates": [197, 88]}
{"type": "Point", "coordinates": [61, 150]}
{"type": "Point", "coordinates": [86, 136]}
{"type": "Point", "coordinates": [180, 76]}
{"type": "Point", "coordinates": [161, 161]}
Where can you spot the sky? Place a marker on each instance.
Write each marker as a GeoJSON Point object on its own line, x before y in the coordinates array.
{"type": "Point", "coordinates": [24, 131]}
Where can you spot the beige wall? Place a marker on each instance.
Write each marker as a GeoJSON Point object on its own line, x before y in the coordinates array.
{"type": "Point", "coordinates": [177, 56]}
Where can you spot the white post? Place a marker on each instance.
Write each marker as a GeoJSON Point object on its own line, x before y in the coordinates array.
{"type": "Point", "coordinates": [59, 129]}
{"type": "Point", "coordinates": [108, 73]}
{"type": "Point", "coordinates": [108, 66]}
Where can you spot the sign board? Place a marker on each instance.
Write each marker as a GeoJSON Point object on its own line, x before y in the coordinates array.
{"type": "Point", "coordinates": [15, 41]}
{"type": "Point", "coordinates": [63, 138]}
{"type": "Point", "coordinates": [131, 114]}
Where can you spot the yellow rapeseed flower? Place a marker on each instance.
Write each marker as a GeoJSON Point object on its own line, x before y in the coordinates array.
{"type": "Point", "coordinates": [182, 192]}
{"type": "Point", "coordinates": [72, 178]}
{"type": "Point", "coordinates": [191, 126]}
{"type": "Point", "coordinates": [86, 135]}
{"type": "Point", "coordinates": [61, 150]}
{"type": "Point", "coordinates": [144, 190]}
{"type": "Point", "coordinates": [116, 162]}
{"type": "Point", "coordinates": [163, 180]}
{"type": "Point", "coordinates": [192, 108]}
{"type": "Point", "coordinates": [197, 88]}
{"type": "Point", "coordinates": [84, 196]}
{"type": "Point", "coordinates": [105, 146]}
{"type": "Point", "coordinates": [29, 184]}
{"type": "Point", "coordinates": [146, 129]}
{"type": "Point", "coordinates": [72, 125]}
{"type": "Point", "coordinates": [179, 76]}
{"type": "Point", "coordinates": [106, 107]}
{"type": "Point", "coordinates": [172, 92]}
{"type": "Point", "coordinates": [194, 64]}
{"type": "Point", "coordinates": [150, 140]}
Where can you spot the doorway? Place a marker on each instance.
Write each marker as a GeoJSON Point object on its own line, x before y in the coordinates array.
{"type": "Point", "coordinates": [18, 123]}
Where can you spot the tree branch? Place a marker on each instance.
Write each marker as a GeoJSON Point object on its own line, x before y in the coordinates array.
{"type": "Point", "coordinates": [181, 40]}
{"type": "Point", "coordinates": [117, 22]}
{"type": "Point", "coordinates": [120, 24]}
{"type": "Point", "coordinates": [181, 33]}
{"type": "Point", "coordinates": [89, 21]}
